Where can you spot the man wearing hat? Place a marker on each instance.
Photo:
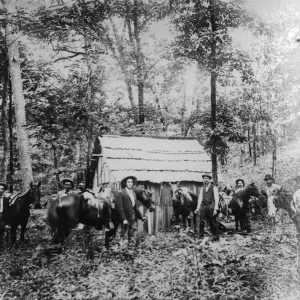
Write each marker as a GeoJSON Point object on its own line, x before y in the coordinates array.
{"type": "Point", "coordinates": [68, 185]}
{"type": "Point", "coordinates": [271, 188]}
{"type": "Point", "coordinates": [4, 210]}
{"type": "Point", "coordinates": [126, 205]}
{"type": "Point", "coordinates": [208, 202]}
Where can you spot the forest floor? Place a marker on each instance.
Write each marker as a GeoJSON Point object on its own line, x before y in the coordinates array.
{"type": "Point", "coordinates": [170, 265]}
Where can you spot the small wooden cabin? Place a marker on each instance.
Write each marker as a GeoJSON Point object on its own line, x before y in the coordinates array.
{"type": "Point", "coordinates": [154, 161]}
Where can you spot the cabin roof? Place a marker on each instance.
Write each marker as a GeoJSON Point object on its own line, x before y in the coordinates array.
{"type": "Point", "coordinates": [154, 159]}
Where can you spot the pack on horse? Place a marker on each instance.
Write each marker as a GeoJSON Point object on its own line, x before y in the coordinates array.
{"type": "Point", "coordinates": [19, 211]}
{"type": "Point", "coordinates": [239, 205]}
{"type": "Point", "coordinates": [65, 213]}
{"type": "Point", "coordinates": [143, 196]}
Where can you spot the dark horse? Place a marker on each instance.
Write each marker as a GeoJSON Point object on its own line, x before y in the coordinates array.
{"type": "Point", "coordinates": [240, 206]}
{"type": "Point", "coordinates": [143, 195]}
{"type": "Point", "coordinates": [19, 212]}
{"type": "Point", "coordinates": [185, 204]}
{"type": "Point", "coordinates": [65, 214]}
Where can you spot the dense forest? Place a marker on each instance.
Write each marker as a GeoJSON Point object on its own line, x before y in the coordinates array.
{"type": "Point", "coordinates": [225, 72]}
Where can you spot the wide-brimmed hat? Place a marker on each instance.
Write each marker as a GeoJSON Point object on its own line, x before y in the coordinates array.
{"type": "Point", "coordinates": [67, 180]}
{"type": "Point", "coordinates": [123, 181]}
{"type": "Point", "coordinates": [268, 176]}
{"type": "Point", "coordinates": [4, 185]}
{"type": "Point", "coordinates": [236, 182]}
{"type": "Point", "coordinates": [206, 175]}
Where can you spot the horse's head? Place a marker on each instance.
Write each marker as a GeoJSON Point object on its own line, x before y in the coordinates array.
{"type": "Point", "coordinates": [186, 194]}
{"type": "Point", "coordinates": [252, 190]}
{"type": "Point", "coordinates": [144, 195]}
{"type": "Point", "coordinates": [174, 189]}
{"type": "Point", "coordinates": [35, 194]}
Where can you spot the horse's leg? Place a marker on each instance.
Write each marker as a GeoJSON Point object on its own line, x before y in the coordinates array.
{"type": "Point", "coordinates": [22, 235]}
{"type": "Point", "coordinates": [195, 222]}
{"type": "Point", "coordinates": [237, 221]}
{"type": "Point", "coordinates": [2, 229]}
{"type": "Point", "coordinates": [13, 234]}
{"type": "Point", "coordinates": [189, 222]}
{"type": "Point", "coordinates": [109, 235]}
{"type": "Point", "coordinates": [177, 217]}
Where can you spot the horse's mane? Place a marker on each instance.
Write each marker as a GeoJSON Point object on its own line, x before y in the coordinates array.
{"type": "Point", "coordinates": [22, 195]}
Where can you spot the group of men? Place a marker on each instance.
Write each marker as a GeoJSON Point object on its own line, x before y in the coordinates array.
{"type": "Point", "coordinates": [207, 206]}
{"type": "Point", "coordinates": [208, 201]}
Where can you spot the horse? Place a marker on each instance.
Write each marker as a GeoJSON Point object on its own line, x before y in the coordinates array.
{"type": "Point", "coordinates": [240, 206]}
{"type": "Point", "coordinates": [143, 195]}
{"type": "Point", "coordinates": [66, 213]}
{"type": "Point", "coordinates": [185, 204]}
{"type": "Point", "coordinates": [288, 202]}
{"type": "Point", "coordinates": [19, 212]}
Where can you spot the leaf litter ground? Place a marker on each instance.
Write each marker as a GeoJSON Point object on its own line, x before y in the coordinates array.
{"type": "Point", "coordinates": [170, 265]}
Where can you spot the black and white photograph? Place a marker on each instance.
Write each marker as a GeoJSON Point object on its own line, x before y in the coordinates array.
{"type": "Point", "coordinates": [150, 149]}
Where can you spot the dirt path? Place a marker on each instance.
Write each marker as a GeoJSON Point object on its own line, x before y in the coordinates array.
{"type": "Point", "coordinates": [170, 265]}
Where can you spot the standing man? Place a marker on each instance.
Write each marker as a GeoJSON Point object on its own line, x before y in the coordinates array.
{"type": "Point", "coordinates": [271, 188]}
{"type": "Point", "coordinates": [68, 185]}
{"type": "Point", "coordinates": [4, 211]}
{"type": "Point", "coordinates": [126, 205]}
{"type": "Point", "coordinates": [207, 206]}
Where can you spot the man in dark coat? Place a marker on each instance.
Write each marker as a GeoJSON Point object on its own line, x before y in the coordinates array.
{"type": "Point", "coordinates": [4, 211]}
{"type": "Point", "coordinates": [126, 205]}
{"type": "Point", "coordinates": [208, 202]}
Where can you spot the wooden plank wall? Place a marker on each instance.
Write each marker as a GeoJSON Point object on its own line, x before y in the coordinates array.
{"type": "Point", "coordinates": [161, 218]}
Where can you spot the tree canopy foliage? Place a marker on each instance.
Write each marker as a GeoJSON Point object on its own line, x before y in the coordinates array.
{"type": "Point", "coordinates": [150, 67]}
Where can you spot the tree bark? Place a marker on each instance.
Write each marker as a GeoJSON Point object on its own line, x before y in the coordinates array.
{"type": "Point", "coordinates": [213, 95]}
{"type": "Point", "coordinates": [139, 64]}
{"type": "Point", "coordinates": [10, 177]}
{"type": "Point", "coordinates": [120, 57]}
{"type": "Point", "coordinates": [17, 88]}
{"type": "Point", "coordinates": [254, 145]}
{"type": "Point", "coordinates": [4, 119]}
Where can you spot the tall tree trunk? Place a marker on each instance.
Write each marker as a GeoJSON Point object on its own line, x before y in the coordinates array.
{"type": "Point", "coordinates": [141, 100]}
{"type": "Point", "coordinates": [4, 119]}
{"type": "Point", "coordinates": [254, 144]}
{"type": "Point", "coordinates": [213, 95]}
{"type": "Point", "coordinates": [120, 57]}
{"type": "Point", "coordinates": [10, 177]}
{"type": "Point", "coordinates": [139, 64]}
{"type": "Point", "coordinates": [17, 88]}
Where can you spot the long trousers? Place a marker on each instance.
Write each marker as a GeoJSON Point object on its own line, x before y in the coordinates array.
{"type": "Point", "coordinates": [206, 212]}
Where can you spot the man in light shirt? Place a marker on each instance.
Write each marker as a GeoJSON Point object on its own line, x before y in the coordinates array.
{"type": "Point", "coordinates": [271, 188]}
{"type": "Point", "coordinates": [208, 206]}
{"type": "Point", "coordinates": [126, 205]}
{"type": "Point", "coordinates": [68, 185]}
